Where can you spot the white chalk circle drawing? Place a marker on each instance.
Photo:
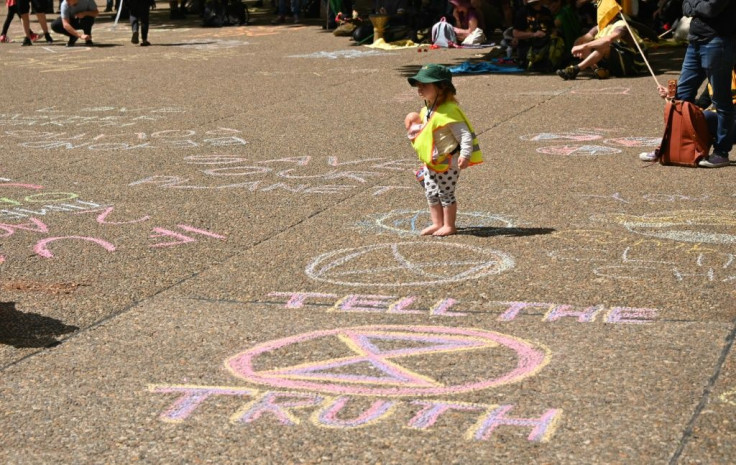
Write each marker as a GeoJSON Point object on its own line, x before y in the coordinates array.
{"type": "Point", "coordinates": [585, 150]}
{"type": "Point", "coordinates": [408, 264]}
{"type": "Point", "coordinates": [694, 226]}
{"type": "Point", "coordinates": [343, 54]}
{"type": "Point", "coordinates": [387, 360]}
{"type": "Point", "coordinates": [634, 141]}
{"type": "Point", "coordinates": [413, 221]}
{"type": "Point", "coordinates": [565, 136]}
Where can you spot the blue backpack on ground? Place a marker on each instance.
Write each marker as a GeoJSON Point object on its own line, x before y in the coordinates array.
{"type": "Point", "coordinates": [443, 34]}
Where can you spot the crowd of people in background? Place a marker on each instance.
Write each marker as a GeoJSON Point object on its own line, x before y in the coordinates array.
{"type": "Point", "coordinates": [540, 35]}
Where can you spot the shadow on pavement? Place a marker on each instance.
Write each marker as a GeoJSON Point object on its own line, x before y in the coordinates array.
{"type": "Point", "coordinates": [488, 231]}
{"type": "Point", "coordinates": [24, 330]}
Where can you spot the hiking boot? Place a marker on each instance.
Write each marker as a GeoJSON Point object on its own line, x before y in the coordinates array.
{"type": "Point", "coordinates": [648, 156]}
{"type": "Point", "coordinates": [134, 39]}
{"type": "Point", "coordinates": [26, 42]}
{"type": "Point", "coordinates": [4, 39]}
{"type": "Point", "coordinates": [71, 42]}
{"type": "Point", "coordinates": [714, 161]}
{"type": "Point", "coordinates": [601, 73]}
{"type": "Point", "coordinates": [569, 73]}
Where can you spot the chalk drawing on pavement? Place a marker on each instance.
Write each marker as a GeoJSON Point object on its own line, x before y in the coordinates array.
{"type": "Point", "coordinates": [348, 54]}
{"type": "Point", "coordinates": [693, 226]}
{"type": "Point", "coordinates": [408, 264]}
{"type": "Point", "coordinates": [379, 361]}
{"type": "Point", "coordinates": [578, 150]}
{"type": "Point", "coordinates": [411, 222]}
{"type": "Point", "coordinates": [603, 91]}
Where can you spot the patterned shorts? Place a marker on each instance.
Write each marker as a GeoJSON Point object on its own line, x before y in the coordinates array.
{"type": "Point", "coordinates": [440, 187]}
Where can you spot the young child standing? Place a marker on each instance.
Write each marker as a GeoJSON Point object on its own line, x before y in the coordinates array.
{"type": "Point", "coordinates": [446, 144]}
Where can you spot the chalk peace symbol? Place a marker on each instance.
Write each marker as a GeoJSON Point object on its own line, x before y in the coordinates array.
{"type": "Point", "coordinates": [387, 360]}
{"type": "Point", "coordinates": [407, 264]}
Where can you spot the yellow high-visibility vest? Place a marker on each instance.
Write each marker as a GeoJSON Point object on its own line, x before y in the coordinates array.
{"type": "Point", "coordinates": [424, 144]}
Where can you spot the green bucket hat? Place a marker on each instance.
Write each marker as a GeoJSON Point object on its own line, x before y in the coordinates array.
{"type": "Point", "coordinates": [431, 74]}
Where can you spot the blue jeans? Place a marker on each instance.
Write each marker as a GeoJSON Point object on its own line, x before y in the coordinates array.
{"type": "Point", "coordinates": [714, 61]}
{"type": "Point", "coordinates": [296, 7]}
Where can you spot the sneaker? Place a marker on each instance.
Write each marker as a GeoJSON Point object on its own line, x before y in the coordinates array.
{"type": "Point", "coordinates": [569, 73]}
{"type": "Point", "coordinates": [648, 156]}
{"type": "Point", "coordinates": [134, 39]}
{"type": "Point", "coordinates": [714, 161]}
{"type": "Point", "coordinates": [26, 42]}
{"type": "Point", "coordinates": [279, 20]}
{"type": "Point", "coordinates": [34, 36]}
{"type": "Point", "coordinates": [71, 42]}
{"type": "Point", "coordinates": [5, 40]}
{"type": "Point", "coordinates": [49, 39]}
{"type": "Point", "coordinates": [601, 73]}
{"type": "Point", "coordinates": [145, 43]}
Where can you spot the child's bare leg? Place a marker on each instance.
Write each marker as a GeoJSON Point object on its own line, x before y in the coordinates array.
{"type": "Point", "coordinates": [437, 215]}
{"type": "Point", "coordinates": [449, 215]}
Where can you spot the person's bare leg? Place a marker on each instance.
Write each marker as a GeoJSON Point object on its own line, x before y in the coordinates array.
{"type": "Point", "coordinates": [594, 57]}
{"type": "Point", "coordinates": [437, 215]}
{"type": "Point", "coordinates": [41, 17]}
{"type": "Point", "coordinates": [449, 214]}
{"type": "Point", "coordinates": [26, 21]}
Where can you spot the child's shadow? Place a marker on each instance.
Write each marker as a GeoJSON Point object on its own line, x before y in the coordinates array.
{"type": "Point", "coordinates": [24, 330]}
{"type": "Point", "coordinates": [488, 231]}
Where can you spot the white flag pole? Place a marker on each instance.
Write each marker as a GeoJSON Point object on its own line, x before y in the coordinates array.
{"type": "Point", "coordinates": [636, 42]}
{"type": "Point", "coordinates": [117, 18]}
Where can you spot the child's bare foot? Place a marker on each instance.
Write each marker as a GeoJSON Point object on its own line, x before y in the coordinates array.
{"type": "Point", "coordinates": [430, 230]}
{"type": "Point", "coordinates": [445, 231]}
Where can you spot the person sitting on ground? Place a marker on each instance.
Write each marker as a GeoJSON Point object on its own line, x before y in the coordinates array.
{"type": "Point", "coordinates": [567, 24]}
{"type": "Point", "coordinates": [177, 12]}
{"type": "Point", "coordinates": [468, 23]}
{"type": "Point", "coordinates": [533, 25]}
{"type": "Point", "coordinates": [74, 15]}
{"type": "Point", "coordinates": [609, 51]}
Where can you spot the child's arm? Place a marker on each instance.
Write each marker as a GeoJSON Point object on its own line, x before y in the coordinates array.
{"type": "Point", "coordinates": [462, 133]}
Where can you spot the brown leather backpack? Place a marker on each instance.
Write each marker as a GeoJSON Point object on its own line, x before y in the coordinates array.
{"type": "Point", "coordinates": [686, 138]}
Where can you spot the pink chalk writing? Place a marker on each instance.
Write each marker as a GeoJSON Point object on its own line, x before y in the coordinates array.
{"type": "Point", "coordinates": [44, 252]}
{"type": "Point", "coordinates": [509, 311]}
{"type": "Point", "coordinates": [285, 408]}
{"type": "Point", "coordinates": [181, 238]}
{"type": "Point", "coordinates": [542, 427]}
